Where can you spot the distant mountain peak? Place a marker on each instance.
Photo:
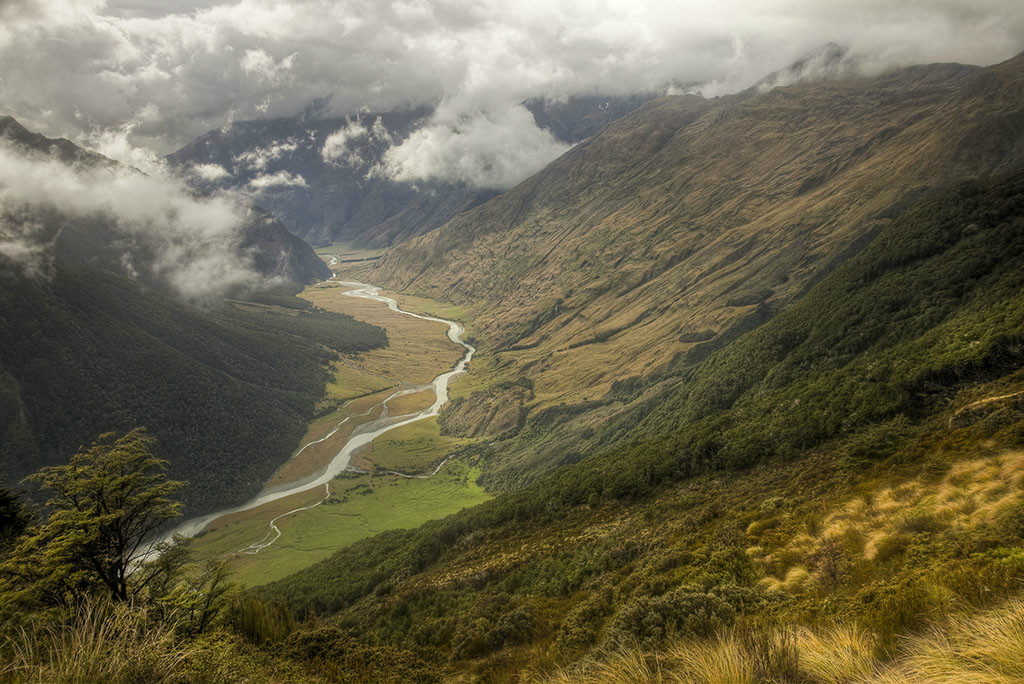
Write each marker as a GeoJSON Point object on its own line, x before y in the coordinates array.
{"type": "Point", "coordinates": [829, 61]}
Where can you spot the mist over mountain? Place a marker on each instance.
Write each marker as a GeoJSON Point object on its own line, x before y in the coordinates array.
{"type": "Point", "coordinates": [62, 200]}
{"type": "Point", "coordinates": [113, 286]}
{"type": "Point", "coordinates": [331, 179]}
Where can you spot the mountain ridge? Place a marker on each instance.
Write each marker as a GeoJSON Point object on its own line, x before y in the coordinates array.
{"type": "Point", "coordinates": [340, 200]}
{"type": "Point", "coordinates": [262, 241]}
{"type": "Point", "coordinates": [694, 190]}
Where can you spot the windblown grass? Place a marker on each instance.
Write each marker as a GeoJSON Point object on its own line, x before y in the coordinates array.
{"type": "Point", "coordinates": [878, 525]}
{"type": "Point", "coordinates": [722, 661]}
{"type": "Point", "coordinates": [836, 654]}
{"type": "Point", "coordinates": [983, 648]}
{"type": "Point", "coordinates": [99, 642]}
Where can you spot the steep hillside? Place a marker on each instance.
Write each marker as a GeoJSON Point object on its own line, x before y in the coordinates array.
{"type": "Point", "coordinates": [325, 199]}
{"type": "Point", "coordinates": [94, 338]}
{"type": "Point", "coordinates": [856, 458]}
{"type": "Point", "coordinates": [227, 393]}
{"type": "Point", "coordinates": [692, 220]}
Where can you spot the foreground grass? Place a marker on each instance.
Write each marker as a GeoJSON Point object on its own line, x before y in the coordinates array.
{"type": "Point", "coordinates": [99, 643]}
{"type": "Point", "coordinates": [984, 648]}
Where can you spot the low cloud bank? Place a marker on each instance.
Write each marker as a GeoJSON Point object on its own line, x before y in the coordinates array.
{"type": "Point", "coordinates": [494, 149]}
{"type": "Point", "coordinates": [193, 242]}
{"type": "Point", "coordinates": [126, 75]}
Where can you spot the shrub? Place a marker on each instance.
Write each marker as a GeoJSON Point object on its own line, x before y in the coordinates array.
{"type": "Point", "coordinates": [583, 623]}
{"type": "Point", "coordinates": [259, 621]}
{"type": "Point", "coordinates": [685, 611]}
{"type": "Point", "coordinates": [333, 655]}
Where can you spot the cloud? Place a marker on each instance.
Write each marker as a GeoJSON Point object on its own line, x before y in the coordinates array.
{"type": "Point", "coordinates": [257, 158]}
{"type": "Point", "coordinates": [261, 65]}
{"type": "Point", "coordinates": [347, 145]}
{"type": "Point", "coordinates": [22, 244]}
{"type": "Point", "coordinates": [209, 172]}
{"type": "Point", "coordinates": [85, 68]}
{"type": "Point", "coordinates": [194, 241]}
{"type": "Point", "coordinates": [336, 146]}
{"type": "Point", "coordinates": [282, 178]}
{"type": "Point", "coordinates": [495, 149]}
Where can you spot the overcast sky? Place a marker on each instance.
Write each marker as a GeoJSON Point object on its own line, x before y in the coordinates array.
{"type": "Point", "coordinates": [141, 77]}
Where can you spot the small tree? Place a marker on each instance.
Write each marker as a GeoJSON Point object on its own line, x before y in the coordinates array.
{"type": "Point", "coordinates": [106, 503]}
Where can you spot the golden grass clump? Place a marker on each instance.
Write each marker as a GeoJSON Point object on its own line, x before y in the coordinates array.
{"type": "Point", "coordinates": [622, 666]}
{"type": "Point", "coordinates": [722, 661]}
{"type": "Point", "coordinates": [836, 655]}
{"type": "Point", "coordinates": [983, 648]}
{"type": "Point", "coordinates": [875, 524]}
{"type": "Point", "coordinates": [986, 649]}
{"type": "Point", "coordinates": [100, 643]}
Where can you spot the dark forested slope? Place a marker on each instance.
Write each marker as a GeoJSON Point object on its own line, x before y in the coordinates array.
{"type": "Point", "coordinates": [227, 393]}
{"type": "Point", "coordinates": [94, 337]}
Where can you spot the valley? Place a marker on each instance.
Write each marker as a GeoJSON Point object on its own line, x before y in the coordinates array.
{"type": "Point", "coordinates": [512, 343]}
{"type": "Point", "coordinates": [375, 460]}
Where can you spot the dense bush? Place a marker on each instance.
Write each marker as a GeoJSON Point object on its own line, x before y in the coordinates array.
{"type": "Point", "coordinates": [684, 611]}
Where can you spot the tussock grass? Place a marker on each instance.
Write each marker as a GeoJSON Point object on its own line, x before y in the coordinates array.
{"type": "Point", "coordinates": [722, 661]}
{"type": "Point", "coordinates": [984, 648]}
{"type": "Point", "coordinates": [988, 649]}
{"type": "Point", "coordinates": [622, 666]}
{"type": "Point", "coordinates": [836, 654]}
{"type": "Point", "coordinates": [878, 525]}
{"type": "Point", "coordinates": [99, 642]}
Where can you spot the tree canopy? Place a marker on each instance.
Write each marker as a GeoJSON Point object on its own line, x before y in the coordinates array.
{"type": "Point", "coordinates": [106, 504]}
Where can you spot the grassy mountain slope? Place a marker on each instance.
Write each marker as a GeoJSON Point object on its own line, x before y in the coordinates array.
{"type": "Point", "coordinates": [857, 457]}
{"type": "Point", "coordinates": [691, 220]}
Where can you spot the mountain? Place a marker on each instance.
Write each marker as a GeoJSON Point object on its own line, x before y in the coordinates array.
{"type": "Point", "coordinates": [226, 392]}
{"type": "Point", "coordinates": [262, 243]}
{"type": "Point", "coordinates": [95, 339]}
{"type": "Point", "coordinates": [691, 220]}
{"type": "Point", "coordinates": [748, 393]}
{"type": "Point", "coordinates": [324, 199]}
{"type": "Point", "coordinates": [850, 467]}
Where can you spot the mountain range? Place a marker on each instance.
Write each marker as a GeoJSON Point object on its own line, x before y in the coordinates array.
{"type": "Point", "coordinates": [748, 388]}
{"type": "Point", "coordinates": [691, 220]}
{"type": "Point", "coordinates": [773, 346]}
{"type": "Point", "coordinates": [324, 197]}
